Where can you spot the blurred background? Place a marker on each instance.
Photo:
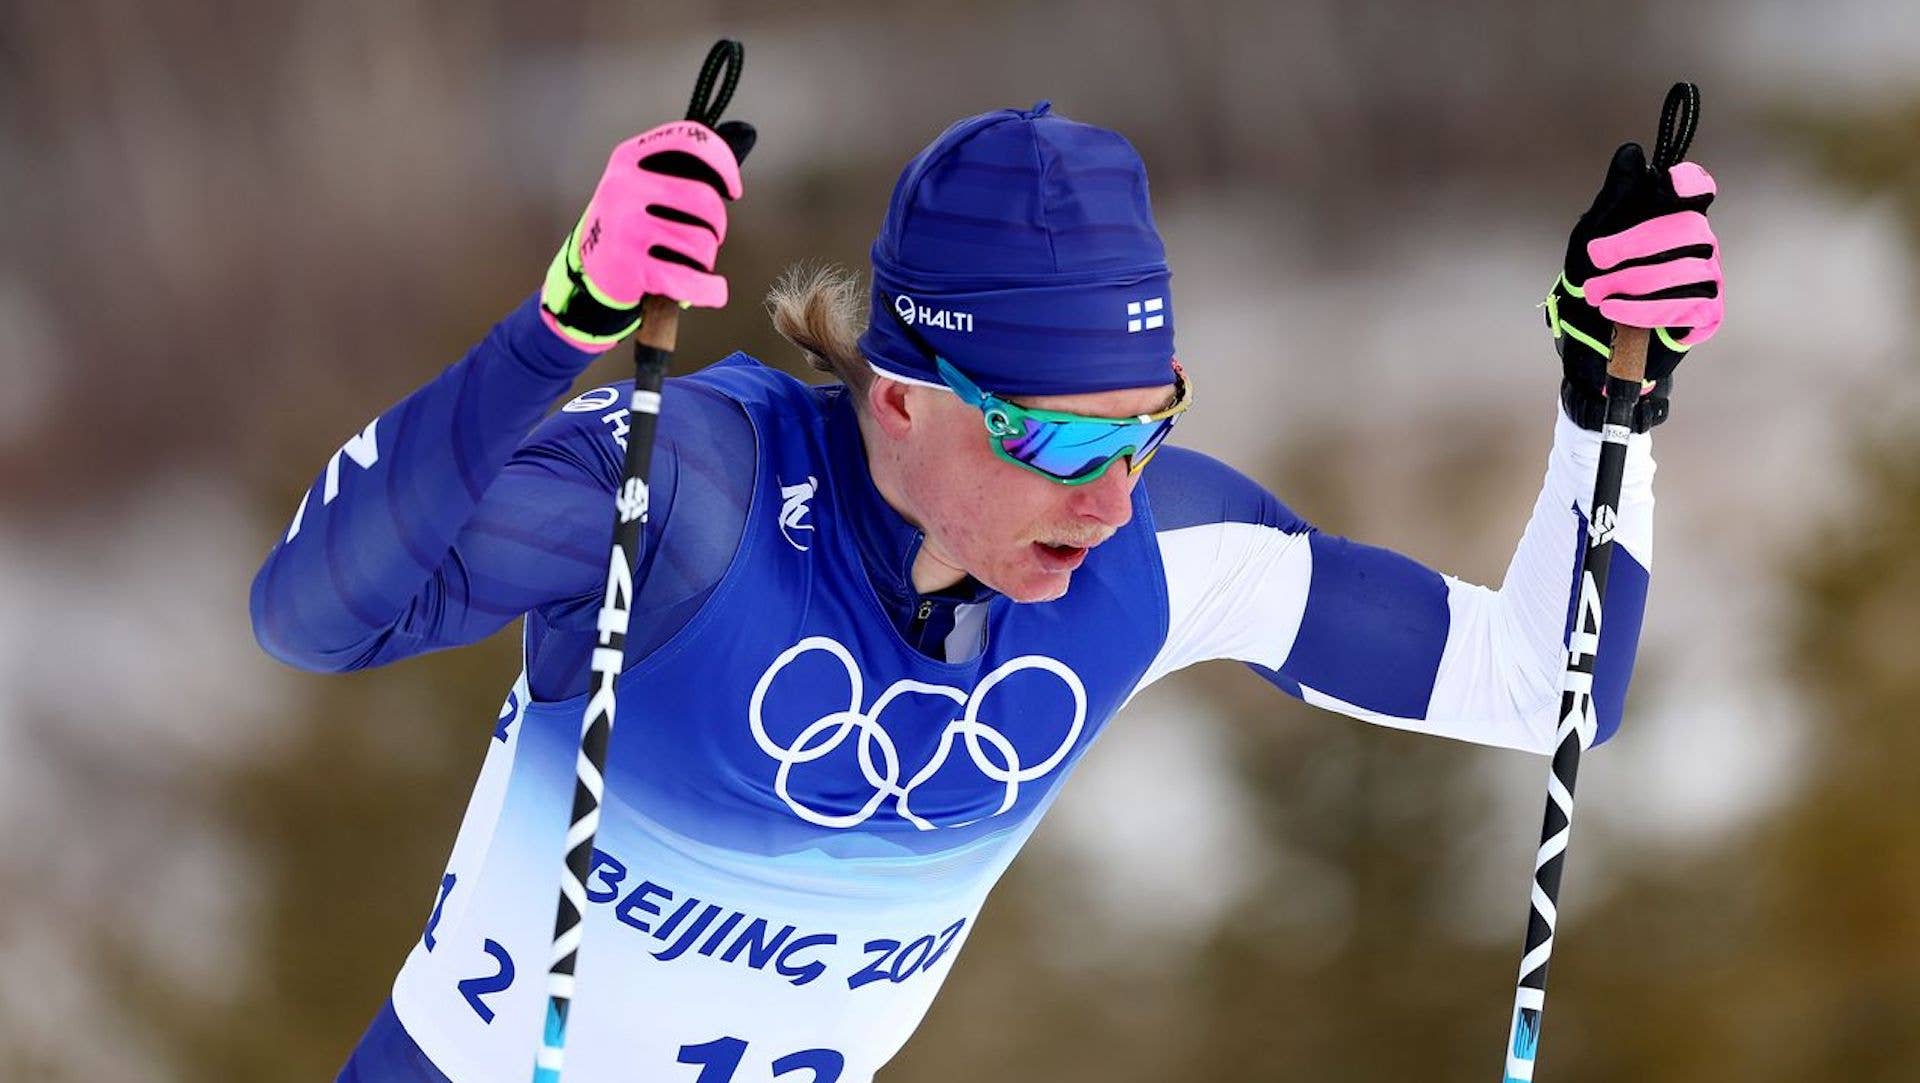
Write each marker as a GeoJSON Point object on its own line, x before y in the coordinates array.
{"type": "Point", "coordinates": [230, 233]}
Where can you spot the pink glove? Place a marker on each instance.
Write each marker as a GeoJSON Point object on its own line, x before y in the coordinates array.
{"type": "Point", "coordinates": [1669, 233]}
{"type": "Point", "coordinates": [1642, 256]}
{"type": "Point", "coordinates": [653, 227]}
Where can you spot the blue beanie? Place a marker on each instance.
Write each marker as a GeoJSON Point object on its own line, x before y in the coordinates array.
{"type": "Point", "coordinates": [1020, 245]}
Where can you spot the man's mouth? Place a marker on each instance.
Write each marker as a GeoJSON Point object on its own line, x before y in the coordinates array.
{"type": "Point", "coordinates": [1060, 558]}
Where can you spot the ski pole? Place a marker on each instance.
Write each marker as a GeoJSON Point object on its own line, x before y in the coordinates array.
{"type": "Point", "coordinates": [652, 350]}
{"type": "Point", "coordinates": [1626, 367]}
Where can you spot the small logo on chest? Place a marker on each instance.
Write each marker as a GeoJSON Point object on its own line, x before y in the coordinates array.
{"type": "Point", "coordinates": [794, 510]}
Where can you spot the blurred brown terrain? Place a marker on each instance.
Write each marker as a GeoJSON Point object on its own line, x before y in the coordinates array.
{"type": "Point", "coordinates": [229, 233]}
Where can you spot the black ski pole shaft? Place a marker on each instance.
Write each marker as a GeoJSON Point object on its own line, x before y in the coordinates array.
{"type": "Point", "coordinates": [1626, 368]}
{"type": "Point", "coordinates": [652, 352]}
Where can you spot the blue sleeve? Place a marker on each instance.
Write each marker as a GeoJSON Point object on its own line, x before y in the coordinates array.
{"type": "Point", "coordinates": [1374, 629]}
{"type": "Point", "coordinates": [444, 520]}
{"type": "Point", "coordinates": [367, 571]}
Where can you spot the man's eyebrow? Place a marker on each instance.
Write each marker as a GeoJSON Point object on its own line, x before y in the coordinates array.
{"type": "Point", "coordinates": [1172, 400]}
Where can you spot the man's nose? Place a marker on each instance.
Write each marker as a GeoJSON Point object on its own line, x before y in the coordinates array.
{"type": "Point", "coordinates": [1108, 498]}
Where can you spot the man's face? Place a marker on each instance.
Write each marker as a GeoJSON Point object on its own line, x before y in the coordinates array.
{"type": "Point", "coordinates": [1013, 530]}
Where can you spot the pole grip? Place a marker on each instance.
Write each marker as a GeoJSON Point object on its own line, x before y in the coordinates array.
{"type": "Point", "coordinates": [660, 324]}
{"type": "Point", "coordinates": [1627, 359]}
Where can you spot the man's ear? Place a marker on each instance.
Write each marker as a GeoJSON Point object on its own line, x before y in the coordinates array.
{"type": "Point", "coordinates": [890, 403]}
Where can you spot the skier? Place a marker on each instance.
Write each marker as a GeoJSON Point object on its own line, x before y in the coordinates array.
{"type": "Point", "coordinates": [878, 622]}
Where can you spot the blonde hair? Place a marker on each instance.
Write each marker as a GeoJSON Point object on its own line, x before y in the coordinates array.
{"type": "Point", "coordinates": [821, 309]}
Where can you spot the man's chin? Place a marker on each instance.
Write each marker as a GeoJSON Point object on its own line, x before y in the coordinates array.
{"type": "Point", "coordinates": [1035, 590]}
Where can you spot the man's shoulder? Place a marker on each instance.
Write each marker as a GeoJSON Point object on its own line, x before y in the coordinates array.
{"type": "Point", "coordinates": [752, 383]}
{"type": "Point", "coordinates": [711, 403]}
{"type": "Point", "coordinates": [1187, 488]}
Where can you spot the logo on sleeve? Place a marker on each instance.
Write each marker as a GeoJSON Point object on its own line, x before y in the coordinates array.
{"type": "Point", "coordinates": [363, 449]}
{"type": "Point", "coordinates": [599, 398]}
{"type": "Point", "coordinates": [794, 510]}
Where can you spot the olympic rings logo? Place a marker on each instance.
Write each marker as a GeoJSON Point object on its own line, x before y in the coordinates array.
{"type": "Point", "coordinates": [992, 753]}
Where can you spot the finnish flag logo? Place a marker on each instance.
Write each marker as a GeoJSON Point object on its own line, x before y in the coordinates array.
{"type": "Point", "coordinates": [1146, 315]}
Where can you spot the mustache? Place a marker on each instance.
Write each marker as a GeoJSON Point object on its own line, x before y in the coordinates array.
{"type": "Point", "coordinates": [1079, 539]}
